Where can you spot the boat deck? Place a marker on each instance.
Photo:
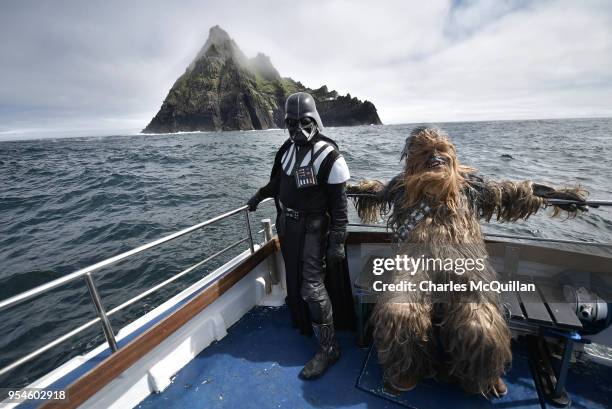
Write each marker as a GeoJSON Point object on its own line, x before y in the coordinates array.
{"type": "Point", "coordinates": [257, 364]}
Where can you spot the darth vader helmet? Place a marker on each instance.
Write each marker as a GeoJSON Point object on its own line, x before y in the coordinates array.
{"type": "Point", "coordinates": [301, 117]}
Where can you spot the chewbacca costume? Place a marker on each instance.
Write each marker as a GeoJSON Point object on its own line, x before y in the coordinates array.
{"type": "Point", "coordinates": [433, 209]}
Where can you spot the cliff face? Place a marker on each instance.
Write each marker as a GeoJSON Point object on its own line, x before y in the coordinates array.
{"type": "Point", "coordinates": [222, 89]}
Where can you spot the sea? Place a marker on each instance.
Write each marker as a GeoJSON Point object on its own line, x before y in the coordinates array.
{"type": "Point", "coordinates": [66, 203]}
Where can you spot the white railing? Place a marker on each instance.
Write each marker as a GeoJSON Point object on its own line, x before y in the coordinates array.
{"type": "Point", "coordinates": [86, 274]}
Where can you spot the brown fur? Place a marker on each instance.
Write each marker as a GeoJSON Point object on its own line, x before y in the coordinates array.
{"type": "Point", "coordinates": [441, 186]}
{"type": "Point", "coordinates": [369, 207]}
{"type": "Point", "coordinates": [404, 343]}
{"type": "Point", "coordinates": [480, 354]}
{"type": "Point", "coordinates": [472, 331]}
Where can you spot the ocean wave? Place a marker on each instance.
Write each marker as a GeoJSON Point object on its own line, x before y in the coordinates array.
{"type": "Point", "coordinates": [72, 202]}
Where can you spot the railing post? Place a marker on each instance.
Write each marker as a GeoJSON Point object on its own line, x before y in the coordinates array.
{"type": "Point", "coordinates": [267, 229]}
{"type": "Point", "coordinates": [249, 232]}
{"type": "Point", "coordinates": [512, 256]}
{"type": "Point", "coordinates": [565, 364]}
{"type": "Point", "coordinates": [97, 301]}
{"type": "Point", "coordinates": [267, 232]}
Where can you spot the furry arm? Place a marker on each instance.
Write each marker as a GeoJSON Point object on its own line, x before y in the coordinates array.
{"type": "Point", "coordinates": [511, 201]}
{"type": "Point", "coordinates": [375, 198]}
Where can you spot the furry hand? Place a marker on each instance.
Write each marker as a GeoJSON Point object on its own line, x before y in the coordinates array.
{"type": "Point", "coordinates": [366, 187]}
{"type": "Point", "coordinates": [370, 202]}
{"type": "Point", "coordinates": [576, 194]}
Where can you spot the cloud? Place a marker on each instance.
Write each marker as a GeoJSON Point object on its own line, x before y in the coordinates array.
{"type": "Point", "coordinates": [108, 65]}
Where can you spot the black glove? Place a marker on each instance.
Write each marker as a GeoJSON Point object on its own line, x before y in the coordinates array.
{"type": "Point", "coordinates": [335, 246]}
{"type": "Point", "coordinates": [254, 201]}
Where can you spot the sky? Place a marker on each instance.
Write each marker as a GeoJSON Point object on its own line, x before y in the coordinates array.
{"type": "Point", "coordinates": [103, 67]}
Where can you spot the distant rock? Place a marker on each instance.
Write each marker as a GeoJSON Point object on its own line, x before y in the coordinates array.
{"type": "Point", "coordinates": [222, 89]}
{"type": "Point", "coordinates": [507, 156]}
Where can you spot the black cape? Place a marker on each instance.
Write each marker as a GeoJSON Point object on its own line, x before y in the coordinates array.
{"type": "Point", "coordinates": [337, 279]}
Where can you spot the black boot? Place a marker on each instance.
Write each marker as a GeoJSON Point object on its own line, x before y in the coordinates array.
{"type": "Point", "coordinates": [326, 356]}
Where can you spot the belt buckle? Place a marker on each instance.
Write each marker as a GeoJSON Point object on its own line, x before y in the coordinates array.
{"type": "Point", "coordinates": [292, 214]}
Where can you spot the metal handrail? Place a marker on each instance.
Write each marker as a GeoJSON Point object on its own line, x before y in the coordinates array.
{"type": "Point", "coordinates": [103, 316]}
{"type": "Point", "coordinates": [48, 346]}
{"type": "Point", "coordinates": [116, 309]}
{"type": "Point", "coordinates": [86, 273]}
{"type": "Point", "coordinates": [173, 278]}
{"type": "Point", "coordinates": [19, 298]}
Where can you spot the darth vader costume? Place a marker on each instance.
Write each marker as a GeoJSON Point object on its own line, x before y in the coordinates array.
{"type": "Point", "coordinates": [308, 183]}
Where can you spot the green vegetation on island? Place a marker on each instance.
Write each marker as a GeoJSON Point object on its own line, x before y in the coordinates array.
{"type": "Point", "coordinates": [222, 89]}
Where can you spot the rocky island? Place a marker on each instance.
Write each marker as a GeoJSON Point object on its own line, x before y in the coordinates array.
{"type": "Point", "coordinates": [222, 90]}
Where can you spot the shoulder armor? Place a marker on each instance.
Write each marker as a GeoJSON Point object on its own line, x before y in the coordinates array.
{"type": "Point", "coordinates": [328, 140]}
{"type": "Point", "coordinates": [339, 172]}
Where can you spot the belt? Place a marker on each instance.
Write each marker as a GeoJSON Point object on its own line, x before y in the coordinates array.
{"type": "Point", "coordinates": [296, 214]}
{"type": "Point", "coordinates": [288, 212]}
{"type": "Point", "coordinates": [292, 214]}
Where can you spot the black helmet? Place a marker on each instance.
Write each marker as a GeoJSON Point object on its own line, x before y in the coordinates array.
{"type": "Point", "coordinates": [301, 117]}
{"type": "Point", "coordinates": [301, 105]}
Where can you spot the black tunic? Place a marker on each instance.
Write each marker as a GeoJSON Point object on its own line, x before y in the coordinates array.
{"type": "Point", "coordinates": [323, 200]}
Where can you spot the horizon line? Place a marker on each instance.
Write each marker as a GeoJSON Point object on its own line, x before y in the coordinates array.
{"type": "Point", "coordinates": [134, 132]}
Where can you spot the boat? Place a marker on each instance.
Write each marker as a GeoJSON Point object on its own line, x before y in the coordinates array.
{"type": "Point", "coordinates": [226, 341]}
